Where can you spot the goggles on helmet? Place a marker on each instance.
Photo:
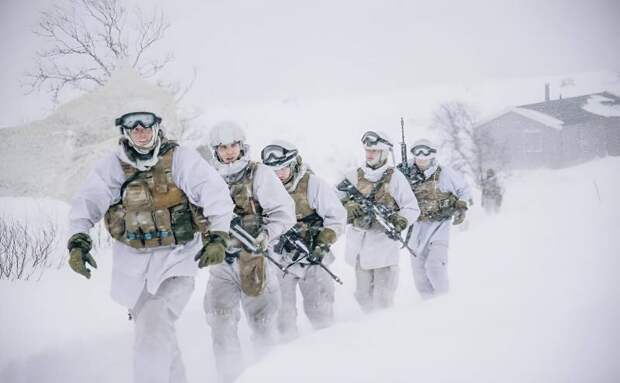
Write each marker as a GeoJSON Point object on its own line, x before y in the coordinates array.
{"type": "Point", "coordinates": [275, 155]}
{"type": "Point", "coordinates": [132, 120]}
{"type": "Point", "coordinates": [422, 151]}
{"type": "Point", "coordinates": [372, 139]}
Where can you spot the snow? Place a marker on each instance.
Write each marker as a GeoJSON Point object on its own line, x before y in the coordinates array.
{"type": "Point", "coordinates": [543, 118]}
{"type": "Point", "coordinates": [533, 299]}
{"type": "Point", "coordinates": [40, 159]}
{"type": "Point", "coordinates": [602, 106]}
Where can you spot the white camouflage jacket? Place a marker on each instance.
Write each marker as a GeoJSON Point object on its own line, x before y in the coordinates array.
{"type": "Point", "coordinates": [373, 249]}
{"type": "Point", "coordinates": [433, 231]}
{"type": "Point", "coordinates": [133, 269]}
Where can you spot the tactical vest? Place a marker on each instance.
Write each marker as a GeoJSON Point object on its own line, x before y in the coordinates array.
{"type": "Point", "coordinates": [153, 211]}
{"type": "Point", "coordinates": [380, 194]}
{"type": "Point", "coordinates": [246, 206]}
{"type": "Point", "coordinates": [252, 272]}
{"type": "Point", "coordinates": [434, 204]}
{"type": "Point", "coordinates": [308, 221]}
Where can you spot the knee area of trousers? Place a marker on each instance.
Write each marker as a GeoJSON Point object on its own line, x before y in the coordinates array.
{"type": "Point", "coordinates": [220, 315]}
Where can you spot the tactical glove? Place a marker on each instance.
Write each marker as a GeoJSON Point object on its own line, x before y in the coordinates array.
{"type": "Point", "coordinates": [400, 223]}
{"type": "Point", "coordinates": [214, 244]}
{"type": "Point", "coordinates": [79, 246]}
{"type": "Point", "coordinates": [459, 214]}
{"type": "Point", "coordinates": [354, 210]}
{"type": "Point", "coordinates": [324, 240]}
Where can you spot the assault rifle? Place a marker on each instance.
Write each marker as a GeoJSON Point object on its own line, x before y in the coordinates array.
{"type": "Point", "coordinates": [404, 165]}
{"type": "Point", "coordinates": [376, 212]}
{"type": "Point", "coordinates": [292, 240]}
{"type": "Point", "coordinates": [249, 242]}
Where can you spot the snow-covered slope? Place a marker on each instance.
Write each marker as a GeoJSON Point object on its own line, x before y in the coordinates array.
{"type": "Point", "coordinates": [534, 299]}
{"type": "Point", "coordinates": [49, 158]}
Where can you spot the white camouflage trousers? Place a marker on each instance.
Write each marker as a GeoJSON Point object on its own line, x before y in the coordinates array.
{"type": "Point", "coordinates": [157, 358]}
{"type": "Point", "coordinates": [375, 288]}
{"type": "Point", "coordinates": [221, 304]}
{"type": "Point", "coordinates": [317, 290]}
{"type": "Point", "coordinates": [430, 270]}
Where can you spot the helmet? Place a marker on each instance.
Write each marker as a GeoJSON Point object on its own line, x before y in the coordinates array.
{"type": "Point", "coordinates": [279, 154]}
{"type": "Point", "coordinates": [129, 121]}
{"type": "Point", "coordinates": [377, 140]}
{"type": "Point", "coordinates": [226, 133]}
{"type": "Point", "coordinates": [424, 149]}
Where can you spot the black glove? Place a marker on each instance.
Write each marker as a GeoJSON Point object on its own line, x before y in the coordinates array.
{"type": "Point", "coordinates": [79, 246]}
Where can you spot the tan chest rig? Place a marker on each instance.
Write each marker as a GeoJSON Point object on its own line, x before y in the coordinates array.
{"type": "Point", "coordinates": [380, 194]}
{"type": "Point", "coordinates": [309, 222]}
{"type": "Point", "coordinates": [153, 211]}
{"type": "Point", "coordinates": [434, 204]}
{"type": "Point", "coordinates": [250, 215]}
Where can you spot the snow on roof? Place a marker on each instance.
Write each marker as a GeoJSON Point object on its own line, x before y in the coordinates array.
{"type": "Point", "coordinates": [543, 118]}
{"type": "Point", "coordinates": [602, 106]}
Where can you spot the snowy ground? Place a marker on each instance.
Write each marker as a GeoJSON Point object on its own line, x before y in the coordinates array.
{"type": "Point", "coordinates": [534, 299]}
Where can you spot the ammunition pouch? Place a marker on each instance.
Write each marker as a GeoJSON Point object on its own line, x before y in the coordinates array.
{"type": "Point", "coordinates": [153, 211]}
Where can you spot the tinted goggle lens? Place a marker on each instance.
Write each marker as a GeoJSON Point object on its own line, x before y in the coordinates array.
{"type": "Point", "coordinates": [422, 151]}
{"type": "Point", "coordinates": [132, 120]}
{"type": "Point", "coordinates": [372, 138]}
{"type": "Point", "coordinates": [275, 155]}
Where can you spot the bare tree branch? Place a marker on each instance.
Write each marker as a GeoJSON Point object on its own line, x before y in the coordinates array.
{"type": "Point", "coordinates": [471, 150]}
{"type": "Point", "coordinates": [87, 38]}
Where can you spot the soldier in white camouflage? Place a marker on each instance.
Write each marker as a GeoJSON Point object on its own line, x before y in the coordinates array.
{"type": "Point", "coordinates": [265, 210]}
{"type": "Point", "coordinates": [321, 219]}
{"type": "Point", "coordinates": [374, 255]}
{"type": "Point", "coordinates": [158, 200]}
{"type": "Point", "coordinates": [492, 193]}
{"type": "Point", "coordinates": [442, 194]}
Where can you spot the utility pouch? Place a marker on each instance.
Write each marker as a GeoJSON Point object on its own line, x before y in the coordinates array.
{"type": "Point", "coordinates": [115, 221]}
{"type": "Point", "coordinates": [181, 218]}
{"type": "Point", "coordinates": [252, 273]}
{"type": "Point", "coordinates": [164, 227]}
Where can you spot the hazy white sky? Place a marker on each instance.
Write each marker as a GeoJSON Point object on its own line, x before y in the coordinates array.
{"type": "Point", "coordinates": [251, 51]}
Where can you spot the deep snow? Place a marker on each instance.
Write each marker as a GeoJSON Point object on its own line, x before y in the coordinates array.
{"type": "Point", "coordinates": [534, 299]}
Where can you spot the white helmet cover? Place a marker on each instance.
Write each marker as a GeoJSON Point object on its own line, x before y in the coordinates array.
{"type": "Point", "coordinates": [424, 149]}
{"type": "Point", "coordinates": [127, 122]}
{"type": "Point", "coordinates": [225, 133]}
{"type": "Point", "coordinates": [279, 154]}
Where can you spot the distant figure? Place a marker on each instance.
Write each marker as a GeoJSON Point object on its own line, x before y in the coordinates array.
{"type": "Point", "coordinates": [491, 193]}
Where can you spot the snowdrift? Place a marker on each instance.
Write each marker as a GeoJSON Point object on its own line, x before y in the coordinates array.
{"type": "Point", "coordinates": [534, 299]}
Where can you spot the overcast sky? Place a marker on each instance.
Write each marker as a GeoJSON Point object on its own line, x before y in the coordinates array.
{"type": "Point", "coordinates": [252, 51]}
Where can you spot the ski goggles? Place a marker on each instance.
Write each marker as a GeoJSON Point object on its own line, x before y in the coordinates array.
{"type": "Point", "coordinates": [132, 120]}
{"type": "Point", "coordinates": [275, 155]}
{"type": "Point", "coordinates": [371, 139]}
{"type": "Point", "coordinates": [422, 151]}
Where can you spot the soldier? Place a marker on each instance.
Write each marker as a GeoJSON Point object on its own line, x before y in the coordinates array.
{"type": "Point", "coordinates": [156, 197]}
{"type": "Point", "coordinates": [492, 192]}
{"type": "Point", "coordinates": [441, 194]}
{"type": "Point", "coordinates": [265, 210]}
{"type": "Point", "coordinates": [374, 255]}
{"type": "Point", "coordinates": [320, 221]}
